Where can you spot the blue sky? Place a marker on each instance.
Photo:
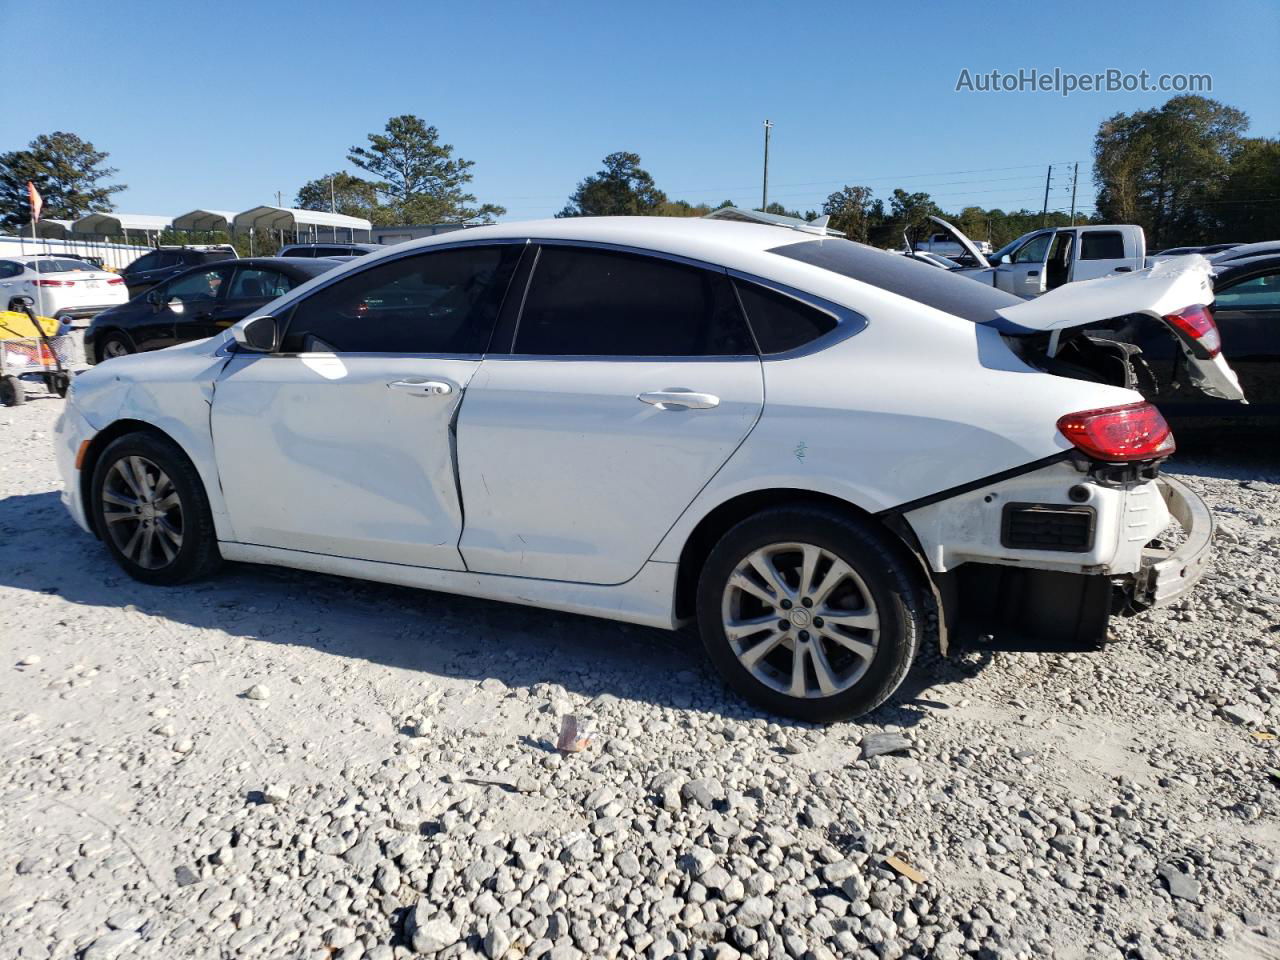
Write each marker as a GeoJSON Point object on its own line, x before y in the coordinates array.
{"type": "Point", "coordinates": [222, 104]}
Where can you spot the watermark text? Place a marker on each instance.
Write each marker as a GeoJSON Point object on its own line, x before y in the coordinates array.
{"type": "Point", "coordinates": [1065, 83]}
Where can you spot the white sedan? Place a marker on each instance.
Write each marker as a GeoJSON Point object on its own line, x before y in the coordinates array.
{"type": "Point", "coordinates": [60, 286]}
{"type": "Point", "coordinates": [801, 443]}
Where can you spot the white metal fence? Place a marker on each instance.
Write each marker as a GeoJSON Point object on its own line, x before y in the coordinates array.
{"type": "Point", "coordinates": [116, 255]}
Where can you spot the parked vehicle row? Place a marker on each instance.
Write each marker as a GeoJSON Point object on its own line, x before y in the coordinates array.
{"type": "Point", "coordinates": [799, 442]}
{"type": "Point", "coordinates": [164, 263]}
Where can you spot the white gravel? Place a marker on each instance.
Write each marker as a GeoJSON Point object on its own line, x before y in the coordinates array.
{"type": "Point", "coordinates": [278, 764]}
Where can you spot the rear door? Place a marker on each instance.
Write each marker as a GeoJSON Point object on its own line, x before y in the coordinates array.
{"type": "Point", "coordinates": [1248, 316]}
{"type": "Point", "coordinates": [250, 289]}
{"type": "Point", "coordinates": [631, 381]}
{"type": "Point", "coordinates": [1103, 252]}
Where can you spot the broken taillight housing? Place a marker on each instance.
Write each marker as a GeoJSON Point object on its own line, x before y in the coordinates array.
{"type": "Point", "coordinates": [1195, 325]}
{"type": "Point", "coordinates": [1135, 431]}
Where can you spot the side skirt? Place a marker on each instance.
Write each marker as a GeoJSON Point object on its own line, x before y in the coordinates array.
{"type": "Point", "coordinates": [647, 599]}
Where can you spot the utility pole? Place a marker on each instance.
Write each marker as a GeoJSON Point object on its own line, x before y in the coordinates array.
{"type": "Point", "coordinates": [1044, 211]}
{"type": "Point", "coordinates": [333, 197]}
{"type": "Point", "coordinates": [1075, 175]}
{"type": "Point", "coordinates": [278, 203]}
{"type": "Point", "coordinates": [764, 194]}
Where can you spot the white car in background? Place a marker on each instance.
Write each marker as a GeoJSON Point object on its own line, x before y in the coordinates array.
{"type": "Point", "coordinates": [801, 443]}
{"type": "Point", "coordinates": [60, 286]}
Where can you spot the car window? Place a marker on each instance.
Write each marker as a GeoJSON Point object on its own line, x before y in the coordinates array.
{"type": "Point", "coordinates": [198, 286]}
{"type": "Point", "coordinates": [213, 256]}
{"type": "Point", "coordinates": [587, 302]}
{"type": "Point", "coordinates": [780, 322]}
{"type": "Point", "coordinates": [167, 258]}
{"type": "Point", "coordinates": [257, 284]}
{"type": "Point", "coordinates": [64, 266]}
{"type": "Point", "coordinates": [148, 261]}
{"type": "Point", "coordinates": [1033, 250]}
{"type": "Point", "coordinates": [445, 302]}
{"type": "Point", "coordinates": [9, 268]}
{"type": "Point", "coordinates": [1101, 245]}
{"type": "Point", "coordinates": [1259, 293]}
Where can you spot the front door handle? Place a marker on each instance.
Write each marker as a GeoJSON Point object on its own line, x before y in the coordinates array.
{"type": "Point", "coordinates": [422, 388]}
{"type": "Point", "coordinates": [679, 399]}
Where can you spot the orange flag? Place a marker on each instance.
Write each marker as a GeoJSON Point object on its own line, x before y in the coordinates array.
{"type": "Point", "coordinates": [37, 204]}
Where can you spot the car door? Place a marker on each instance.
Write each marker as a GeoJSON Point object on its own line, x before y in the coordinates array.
{"type": "Point", "coordinates": [1101, 252]}
{"type": "Point", "coordinates": [632, 379]}
{"type": "Point", "coordinates": [193, 300]}
{"type": "Point", "coordinates": [340, 441]}
{"type": "Point", "coordinates": [250, 288]}
{"type": "Point", "coordinates": [1248, 317]}
{"type": "Point", "coordinates": [1023, 275]}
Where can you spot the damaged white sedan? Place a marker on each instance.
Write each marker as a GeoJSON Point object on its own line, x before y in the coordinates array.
{"type": "Point", "coordinates": [803, 444]}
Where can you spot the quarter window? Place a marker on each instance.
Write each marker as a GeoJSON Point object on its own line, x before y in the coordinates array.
{"type": "Point", "coordinates": [596, 303]}
{"type": "Point", "coordinates": [9, 269]}
{"type": "Point", "coordinates": [445, 301]}
{"type": "Point", "coordinates": [780, 322]}
{"type": "Point", "coordinates": [1101, 245]}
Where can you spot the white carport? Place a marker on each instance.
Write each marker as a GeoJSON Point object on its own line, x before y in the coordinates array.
{"type": "Point", "coordinates": [54, 229]}
{"type": "Point", "coordinates": [304, 224]}
{"type": "Point", "coordinates": [100, 227]}
{"type": "Point", "coordinates": [205, 220]}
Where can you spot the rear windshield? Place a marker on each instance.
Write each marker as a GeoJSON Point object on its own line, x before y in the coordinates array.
{"type": "Point", "coordinates": [209, 256]}
{"type": "Point", "coordinates": [958, 295]}
{"type": "Point", "coordinates": [63, 266]}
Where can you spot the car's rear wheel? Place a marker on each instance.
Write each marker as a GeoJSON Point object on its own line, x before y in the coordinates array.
{"type": "Point", "coordinates": [151, 509]}
{"type": "Point", "coordinates": [12, 392]}
{"type": "Point", "coordinates": [114, 345]}
{"type": "Point", "coordinates": [810, 613]}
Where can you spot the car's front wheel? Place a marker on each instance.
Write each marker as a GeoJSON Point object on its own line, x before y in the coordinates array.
{"type": "Point", "coordinates": [150, 507]}
{"type": "Point", "coordinates": [810, 613]}
{"type": "Point", "coordinates": [114, 345]}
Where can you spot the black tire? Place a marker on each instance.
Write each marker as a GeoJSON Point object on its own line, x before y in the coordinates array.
{"type": "Point", "coordinates": [197, 554]}
{"type": "Point", "coordinates": [12, 392]}
{"type": "Point", "coordinates": [114, 344]}
{"type": "Point", "coordinates": [892, 581]}
{"type": "Point", "coordinates": [61, 384]}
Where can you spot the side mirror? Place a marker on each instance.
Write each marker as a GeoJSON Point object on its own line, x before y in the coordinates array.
{"type": "Point", "coordinates": [256, 335]}
{"type": "Point", "coordinates": [155, 297]}
{"type": "Point", "coordinates": [1004, 259]}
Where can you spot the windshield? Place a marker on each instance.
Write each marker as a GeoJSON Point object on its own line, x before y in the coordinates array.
{"type": "Point", "coordinates": [957, 295]}
{"type": "Point", "coordinates": [1004, 251]}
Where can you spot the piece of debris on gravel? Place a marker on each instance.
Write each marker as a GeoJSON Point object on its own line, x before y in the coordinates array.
{"type": "Point", "coordinates": [1097, 806]}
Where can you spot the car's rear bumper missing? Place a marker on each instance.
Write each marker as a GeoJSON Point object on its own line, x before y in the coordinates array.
{"type": "Point", "coordinates": [1169, 572]}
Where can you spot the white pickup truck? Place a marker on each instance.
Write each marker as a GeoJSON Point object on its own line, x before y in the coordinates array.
{"type": "Point", "coordinates": [1044, 260]}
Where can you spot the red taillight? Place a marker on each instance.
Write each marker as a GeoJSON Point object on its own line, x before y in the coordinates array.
{"type": "Point", "coordinates": [1135, 431]}
{"type": "Point", "coordinates": [54, 283]}
{"type": "Point", "coordinates": [1196, 326]}
{"type": "Point", "coordinates": [114, 281]}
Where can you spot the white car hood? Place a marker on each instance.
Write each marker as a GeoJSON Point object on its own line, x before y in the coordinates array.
{"type": "Point", "coordinates": [1158, 291]}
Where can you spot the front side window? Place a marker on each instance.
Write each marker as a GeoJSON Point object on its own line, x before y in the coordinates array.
{"type": "Point", "coordinates": [148, 261]}
{"type": "Point", "coordinates": [1260, 293]}
{"type": "Point", "coordinates": [1033, 250]}
{"type": "Point", "coordinates": [602, 303]}
{"type": "Point", "coordinates": [442, 302]}
{"type": "Point", "coordinates": [203, 285]}
{"type": "Point", "coordinates": [1101, 245]}
{"type": "Point", "coordinates": [255, 284]}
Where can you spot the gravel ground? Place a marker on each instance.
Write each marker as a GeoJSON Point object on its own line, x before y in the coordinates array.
{"type": "Point", "coordinates": [278, 764]}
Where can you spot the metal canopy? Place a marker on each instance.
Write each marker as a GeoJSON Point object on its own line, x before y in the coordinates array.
{"type": "Point", "coordinates": [285, 218]}
{"type": "Point", "coordinates": [54, 229]}
{"type": "Point", "coordinates": [117, 224]}
{"type": "Point", "coordinates": [204, 220]}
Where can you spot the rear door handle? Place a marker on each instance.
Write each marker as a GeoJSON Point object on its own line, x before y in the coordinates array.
{"type": "Point", "coordinates": [679, 399]}
{"type": "Point", "coordinates": [422, 388]}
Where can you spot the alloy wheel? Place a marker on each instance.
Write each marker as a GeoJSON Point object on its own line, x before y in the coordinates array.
{"type": "Point", "coordinates": [142, 512]}
{"type": "Point", "coordinates": [800, 620]}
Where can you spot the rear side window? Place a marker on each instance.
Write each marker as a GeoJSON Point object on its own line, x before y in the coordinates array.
{"type": "Point", "coordinates": [9, 268]}
{"type": "Point", "coordinates": [941, 289]}
{"type": "Point", "coordinates": [148, 261]}
{"type": "Point", "coordinates": [256, 284]}
{"type": "Point", "coordinates": [445, 302]}
{"type": "Point", "coordinates": [1101, 245]}
{"type": "Point", "coordinates": [780, 322]}
{"type": "Point", "coordinates": [601, 303]}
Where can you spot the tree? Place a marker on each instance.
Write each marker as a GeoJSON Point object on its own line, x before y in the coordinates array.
{"type": "Point", "coordinates": [853, 211]}
{"type": "Point", "coordinates": [620, 189]}
{"type": "Point", "coordinates": [66, 170]}
{"type": "Point", "coordinates": [1247, 208]}
{"type": "Point", "coordinates": [1162, 168]}
{"type": "Point", "coordinates": [354, 196]}
{"type": "Point", "coordinates": [419, 176]}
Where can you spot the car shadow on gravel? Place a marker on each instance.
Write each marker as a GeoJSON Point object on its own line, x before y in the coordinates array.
{"type": "Point", "coordinates": [1227, 450]}
{"type": "Point", "coordinates": [403, 628]}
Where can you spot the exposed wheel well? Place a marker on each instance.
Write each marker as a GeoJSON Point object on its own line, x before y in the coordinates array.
{"type": "Point", "coordinates": [98, 444]}
{"type": "Point", "coordinates": [718, 522]}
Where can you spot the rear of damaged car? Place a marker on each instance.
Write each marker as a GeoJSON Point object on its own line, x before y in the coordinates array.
{"type": "Point", "coordinates": [1025, 489]}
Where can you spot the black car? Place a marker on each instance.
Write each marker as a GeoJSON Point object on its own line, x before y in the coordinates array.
{"type": "Point", "coordinates": [338, 249]}
{"type": "Point", "coordinates": [165, 262]}
{"type": "Point", "coordinates": [197, 303]}
{"type": "Point", "coordinates": [1246, 309]}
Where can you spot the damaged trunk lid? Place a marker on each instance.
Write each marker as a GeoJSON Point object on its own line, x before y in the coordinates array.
{"type": "Point", "coordinates": [1176, 292]}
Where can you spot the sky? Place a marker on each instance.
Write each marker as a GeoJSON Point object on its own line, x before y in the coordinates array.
{"type": "Point", "coordinates": [221, 105]}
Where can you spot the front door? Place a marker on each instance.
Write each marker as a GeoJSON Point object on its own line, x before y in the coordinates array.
{"type": "Point", "coordinates": [340, 443]}
{"type": "Point", "coordinates": [631, 381]}
{"type": "Point", "coordinates": [1024, 276]}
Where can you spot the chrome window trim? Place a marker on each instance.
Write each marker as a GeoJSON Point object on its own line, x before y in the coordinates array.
{"type": "Point", "coordinates": [849, 322]}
